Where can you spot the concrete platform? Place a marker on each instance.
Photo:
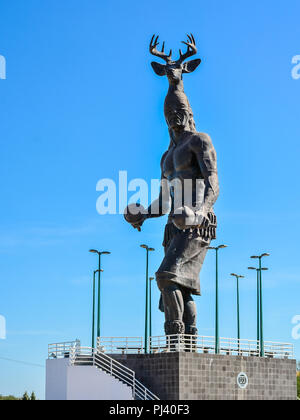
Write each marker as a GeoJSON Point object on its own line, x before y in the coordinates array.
{"type": "Point", "coordinates": [193, 376]}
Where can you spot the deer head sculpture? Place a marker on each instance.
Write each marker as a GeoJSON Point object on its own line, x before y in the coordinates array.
{"type": "Point", "coordinates": [176, 101]}
{"type": "Point", "coordinates": [174, 69]}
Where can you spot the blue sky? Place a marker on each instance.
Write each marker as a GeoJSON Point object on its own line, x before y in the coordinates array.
{"type": "Point", "coordinates": [81, 103]}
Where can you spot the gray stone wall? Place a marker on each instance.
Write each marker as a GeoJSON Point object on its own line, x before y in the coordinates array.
{"type": "Point", "coordinates": [193, 376]}
{"type": "Point", "coordinates": [158, 372]}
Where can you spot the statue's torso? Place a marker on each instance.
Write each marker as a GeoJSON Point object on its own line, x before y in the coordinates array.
{"type": "Point", "coordinates": [180, 161]}
{"type": "Point", "coordinates": [181, 168]}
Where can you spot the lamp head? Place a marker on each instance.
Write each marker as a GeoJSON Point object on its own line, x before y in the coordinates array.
{"type": "Point", "coordinates": [94, 251]}
{"type": "Point", "coordinates": [260, 256]}
{"type": "Point", "coordinates": [237, 276]}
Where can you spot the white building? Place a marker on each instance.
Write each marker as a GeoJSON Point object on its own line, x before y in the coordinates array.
{"type": "Point", "coordinates": [82, 373]}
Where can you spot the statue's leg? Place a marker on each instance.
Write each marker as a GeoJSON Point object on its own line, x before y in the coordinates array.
{"type": "Point", "coordinates": [173, 306]}
{"type": "Point", "coordinates": [190, 321]}
{"type": "Point", "coordinates": [190, 315]}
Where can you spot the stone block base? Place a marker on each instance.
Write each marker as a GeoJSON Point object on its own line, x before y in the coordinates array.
{"type": "Point", "coordinates": [193, 376]}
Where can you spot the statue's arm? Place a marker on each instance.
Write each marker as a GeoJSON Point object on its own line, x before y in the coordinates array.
{"type": "Point", "coordinates": [203, 148]}
{"type": "Point", "coordinates": [160, 206]}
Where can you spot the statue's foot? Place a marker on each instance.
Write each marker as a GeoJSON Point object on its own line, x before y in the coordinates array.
{"type": "Point", "coordinates": [174, 327]}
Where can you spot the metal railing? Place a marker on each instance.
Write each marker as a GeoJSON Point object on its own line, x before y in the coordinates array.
{"type": "Point", "coordinates": [179, 343]}
{"type": "Point", "coordinates": [279, 350]}
{"type": "Point", "coordinates": [227, 346]}
{"type": "Point", "coordinates": [121, 345]}
{"type": "Point", "coordinates": [81, 356]}
{"type": "Point", "coordinates": [61, 350]}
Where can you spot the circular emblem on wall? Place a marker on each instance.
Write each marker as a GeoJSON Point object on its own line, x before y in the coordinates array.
{"type": "Point", "coordinates": [242, 380]}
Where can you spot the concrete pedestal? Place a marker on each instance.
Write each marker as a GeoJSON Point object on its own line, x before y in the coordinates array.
{"type": "Point", "coordinates": [73, 383]}
{"type": "Point", "coordinates": [193, 376]}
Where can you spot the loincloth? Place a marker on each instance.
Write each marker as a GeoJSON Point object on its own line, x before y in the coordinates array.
{"type": "Point", "coordinates": [185, 251]}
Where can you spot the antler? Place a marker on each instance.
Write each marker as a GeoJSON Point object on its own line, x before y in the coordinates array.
{"type": "Point", "coordinates": [191, 49]}
{"type": "Point", "coordinates": [161, 54]}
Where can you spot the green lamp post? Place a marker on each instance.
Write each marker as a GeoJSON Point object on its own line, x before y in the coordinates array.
{"type": "Point", "coordinates": [257, 304]}
{"type": "Point", "coordinates": [148, 249]}
{"type": "Point", "coordinates": [99, 253]}
{"type": "Point", "coordinates": [94, 307]}
{"type": "Point", "coordinates": [217, 336]}
{"type": "Point", "coordinates": [258, 317]}
{"type": "Point", "coordinates": [150, 305]}
{"type": "Point", "coordinates": [238, 277]}
{"type": "Point", "coordinates": [261, 333]}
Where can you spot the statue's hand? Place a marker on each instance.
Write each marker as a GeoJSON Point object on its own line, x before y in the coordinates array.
{"type": "Point", "coordinates": [138, 225]}
{"type": "Point", "coordinates": [202, 219]}
{"type": "Point", "coordinates": [186, 218]}
{"type": "Point", "coordinates": [135, 214]}
{"type": "Point", "coordinates": [183, 218]}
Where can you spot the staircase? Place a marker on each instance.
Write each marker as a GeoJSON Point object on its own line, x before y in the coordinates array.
{"type": "Point", "coordinates": [86, 356]}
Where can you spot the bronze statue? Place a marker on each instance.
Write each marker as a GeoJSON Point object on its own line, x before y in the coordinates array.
{"type": "Point", "coordinates": [189, 162]}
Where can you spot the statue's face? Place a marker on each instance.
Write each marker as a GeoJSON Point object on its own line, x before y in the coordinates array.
{"type": "Point", "coordinates": [174, 73]}
{"type": "Point", "coordinates": [177, 118]}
